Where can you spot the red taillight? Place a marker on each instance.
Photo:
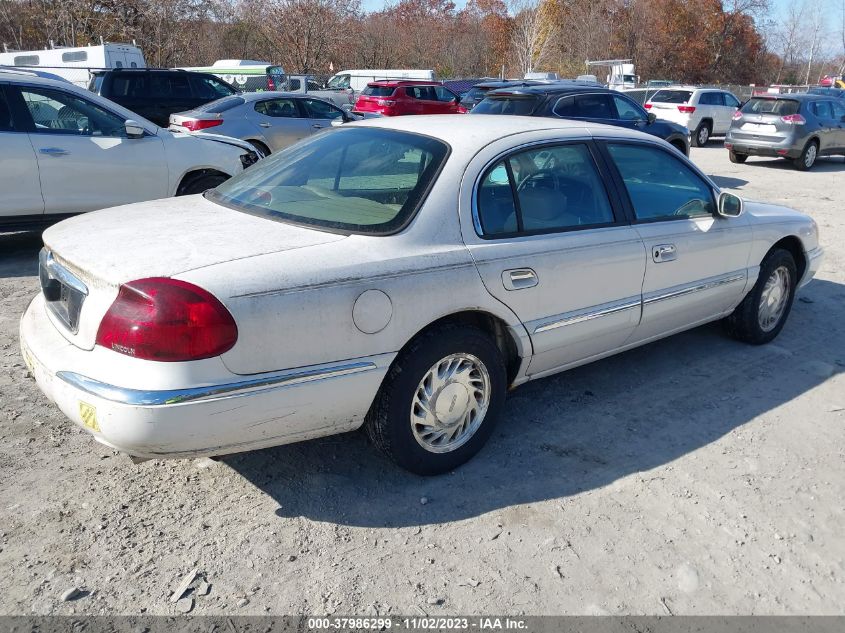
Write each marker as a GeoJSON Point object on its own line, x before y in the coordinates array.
{"type": "Point", "coordinates": [737, 115]}
{"type": "Point", "coordinates": [648, 106]}
{"type": "Point", "coordinates": [271, 85]}
{"type": "Point", "coordinates": [196, 125]}
{"type": "Point", "coordinates": [793, 119]}
{"type": "Point", "coordinates": [166, 319]}
{"type": "Point", "coordinates": [686, 109]}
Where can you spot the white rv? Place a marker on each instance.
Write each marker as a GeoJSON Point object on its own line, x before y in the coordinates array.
{"type": "Point", "coordinates": [357, 80]}
{"type": "Point", "coordinates": [72, 63]}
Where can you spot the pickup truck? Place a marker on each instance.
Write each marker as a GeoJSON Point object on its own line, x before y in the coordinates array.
{"type": "Point", "coordinates": [343, 98]}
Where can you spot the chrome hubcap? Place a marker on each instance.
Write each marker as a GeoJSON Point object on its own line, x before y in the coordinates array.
{"type": "Point", "coordinates": [703, 135]}
{"type": "Point", "coordinates": [773, 299]}
{"type": "Point", "coordinates": [811, 156]}
{"type": "Point", "coordinates": [450, 403]}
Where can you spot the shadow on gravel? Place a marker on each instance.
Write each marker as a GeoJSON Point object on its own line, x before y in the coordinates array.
{"type": "Point", "coordinates": [574, 432]}
{"type": "Point", "coordinates": [826, 164]}
{"type": "Point", "coordinates": [727, 182]}
{"type": "Point", "coordinates": [19, 254]}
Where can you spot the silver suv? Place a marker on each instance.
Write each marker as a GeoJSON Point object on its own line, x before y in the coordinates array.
{"type": "Point", "coordinates": [799, 127]}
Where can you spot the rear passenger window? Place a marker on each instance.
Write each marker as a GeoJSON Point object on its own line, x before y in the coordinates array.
{"type": "Point", "coordinates": [543, 190]}
{"type": "Point", "coordinates": [710, 98]}
{"type": "Point", "coordinates": [278, 108]}
{"type": "Point", "coordinates": [822, 109]}
{"type": "Point", "coordinates": [659, 185]}
{"type": "Point", "coordinates": [593, 106]}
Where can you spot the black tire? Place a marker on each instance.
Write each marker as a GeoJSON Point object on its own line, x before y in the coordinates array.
{"type": "Point", "coordinates": [202, 184]}
{"type": "Point", "coordinates": [703, 130]}
{"type": "Point", "coordinates": [388, 423]}
{"type": "Point", "coordinates": [808, 155]}
{"type": "Point", "coordinates": [737, 158]}
{"type": "Point", "coordinates": [261, 147]}
{"type": "Point", "coordinates": [744, 323]}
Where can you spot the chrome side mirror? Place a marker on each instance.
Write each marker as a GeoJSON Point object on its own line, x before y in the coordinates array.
{"type": "Point", "coordinates": [730, 206]}
{"type": "Point", "coordinates": [133, 129]}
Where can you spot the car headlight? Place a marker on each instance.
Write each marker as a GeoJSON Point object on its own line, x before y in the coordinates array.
{"type": "Point", "coordinates": [250, 158]}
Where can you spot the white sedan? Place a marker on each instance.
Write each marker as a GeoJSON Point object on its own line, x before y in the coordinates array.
{"type": "Point", "coordinates": [401, 274]}
{"type": "Point", "coordinates": [66, 151]}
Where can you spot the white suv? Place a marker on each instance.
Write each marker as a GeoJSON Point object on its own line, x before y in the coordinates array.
{"type": "Point", "coordinates": [705, 111]}
{"type": "Point", "coordinates": [66, 151]}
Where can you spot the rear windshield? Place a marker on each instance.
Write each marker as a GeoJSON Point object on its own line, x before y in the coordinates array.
{"type": "Point", "coordinates": [378, 91]}
{"type": "Point", "coordinates": [780, 107]}
{"type": "Point", "coordinates": [506, 105]}
{"type": "Point", "coordinates": [671, 96]}
{"type": "Point", "coordinates": [476, 93]}
{"type": "Point", "coordinates": [221, 105]}
{"type": "Point", "coordinates": [355, 180]}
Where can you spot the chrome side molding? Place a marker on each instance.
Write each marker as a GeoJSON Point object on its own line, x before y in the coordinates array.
{"type": "Point", "coordinates": [595, 312]}
{"type": "Point", "coordinates": [142, 398]}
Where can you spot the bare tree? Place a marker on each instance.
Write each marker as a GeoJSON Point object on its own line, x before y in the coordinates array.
{"type": "Point", "coordinates": [530, 34]}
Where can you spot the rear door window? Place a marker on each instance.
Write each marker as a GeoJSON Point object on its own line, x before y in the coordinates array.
{"type": "Point", "coordinates": [589, 106]}
{"type": "Point", "coordinates": [710, 98]}
{"type": "Point", "coordinates": [542, 190]}
{"type": "Point", "coordinates": [125, 85]}
{"type": "Point", "coordinates": [278, 108]}
{"type": "Point", "coordinates": [822, 109]}
{"type": "Point", "coordinates": [169, 86]}
{"type": "Point", "coordinates": [206, 87]}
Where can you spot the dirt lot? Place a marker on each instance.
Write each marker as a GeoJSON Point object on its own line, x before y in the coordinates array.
{"type": "Point", "coordinates": [696, 475]}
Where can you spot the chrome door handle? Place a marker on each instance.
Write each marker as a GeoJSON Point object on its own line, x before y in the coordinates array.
{"type": "Point", "coordinates": [264, 124]}
{"type": "Point", "coordinates": [53, 151]}
{"type": "Point", "coordinates": [519, 278]}
{"type": "Point", "coordinates": [317, 126]}
{"type": "Point", "coordinates": [664, 253]}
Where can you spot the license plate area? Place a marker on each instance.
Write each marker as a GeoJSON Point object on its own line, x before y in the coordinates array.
{"type": "Point", "coordinates": [63, 292]}
{"type": "Point", "coordinates": [760, 128]}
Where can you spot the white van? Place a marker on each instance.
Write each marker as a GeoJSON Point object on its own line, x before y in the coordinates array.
{"type": "Point", "coordinates": [73, 63]}
{"type": "Point", "coordinates": [357, 80]}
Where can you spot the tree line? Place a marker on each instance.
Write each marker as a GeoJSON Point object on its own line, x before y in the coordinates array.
{"type": "Point", "coordinates": [695, 41]}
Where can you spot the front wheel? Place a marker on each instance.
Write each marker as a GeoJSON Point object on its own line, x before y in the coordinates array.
{"type": "Point", "coordinates": [762, 314]}
{"type": "Point", "coordinates": [202, 184]}
{"type": "Point", "coordinates": [440, 400]}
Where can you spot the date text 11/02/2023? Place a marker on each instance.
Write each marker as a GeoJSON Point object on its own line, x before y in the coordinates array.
{"type": "Point", "coordinates": [417, 623]}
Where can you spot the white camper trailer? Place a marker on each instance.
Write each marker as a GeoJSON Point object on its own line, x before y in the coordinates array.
{"type": "Point", "coordinates": [71, 63]}
{"type": "Point", "coordinates": [622, 74]}
{"type": "Point", "coordinates": [358, 79]}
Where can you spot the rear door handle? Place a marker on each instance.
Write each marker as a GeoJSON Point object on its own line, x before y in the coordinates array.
{"type": "Point", "coordinates": [317, 126]}
{"type": "Point", "coordinates": [53, 151]}
{"type": "Point", "coordinates": [264, 124]}
{"type": "Point", "coordinates": [664, 253]}
{"type": "Point", "coordinates": [519, 278]}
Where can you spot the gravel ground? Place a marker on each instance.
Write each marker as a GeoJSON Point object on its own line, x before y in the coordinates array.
{"type": "Point", "coordinates": [696, 475]}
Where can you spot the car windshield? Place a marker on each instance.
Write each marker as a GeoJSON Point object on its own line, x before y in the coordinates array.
{"type": "Point", "coordinates": [378, 91]}
{"type": "Point", "coordinates": [356, 180]}
{"type": "Point", "coordinates": [506, 105]}
{"type": "Point", "coordinates": [671, 96]}
{"type": "Point", "coordinates": [338, 82]}
{"type": "Point", "coordinates": [475, 93]}
{"type": "Point", "coordinates": [780, 107]}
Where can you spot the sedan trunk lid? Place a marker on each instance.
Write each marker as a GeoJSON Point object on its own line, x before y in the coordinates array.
{"type": "Point", "coordinates": [161, 238]}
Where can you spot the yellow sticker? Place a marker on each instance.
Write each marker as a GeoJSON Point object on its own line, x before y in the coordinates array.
{"type": "Point", "coordinates": [89, 416]}
{"type": "Point", "coordinates": [27, 359]}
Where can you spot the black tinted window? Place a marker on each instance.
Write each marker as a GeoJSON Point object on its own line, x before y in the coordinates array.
{"type": "Point", "coordinates": [589, 106]}
{"type": "Point", "coordinates": [5, 113]}
{"type": "Point", "coordinates": [660, 185]}
{"type": "Point", "coordinates": [278, 108]}
{"type": "Point", "coordinates": [378, 91]}
{"type": "Point", "coordinates": [126, 85]}
{"type": "Point", "coordinates": [557, 188]}
{"type": "Point", "coordinates": [764, 105]}
{"type": "Point", "coordinates": [710, 98]}
{"type": "Point", "coordinates": [822, 109]}
{"type": "Point", "coordinates": [506, 105]}
{"type": "Point", "coordinates": [671, 96]}
{"type": "Point", "coordinates": [206, 87]}
{"type": "Point", "coordinates": [169, 86]}
{"type": "Point", "coordinates": [319, 109]}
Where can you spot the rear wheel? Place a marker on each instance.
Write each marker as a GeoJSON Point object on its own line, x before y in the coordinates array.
{"type": "Point", "coordinates": [440, 400]}
{"type": "Point", "coordinates": [737, 158]}
{"type": "Point", "coordinates": [808, 157]}
{"type": "Point", "coordinates": [762, 314]}
{"type": "Point", "coordinates": [702, 134]}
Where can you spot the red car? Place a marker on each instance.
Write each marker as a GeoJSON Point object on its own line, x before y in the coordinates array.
{"type": "Point", "coordinates": [392, 98]}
